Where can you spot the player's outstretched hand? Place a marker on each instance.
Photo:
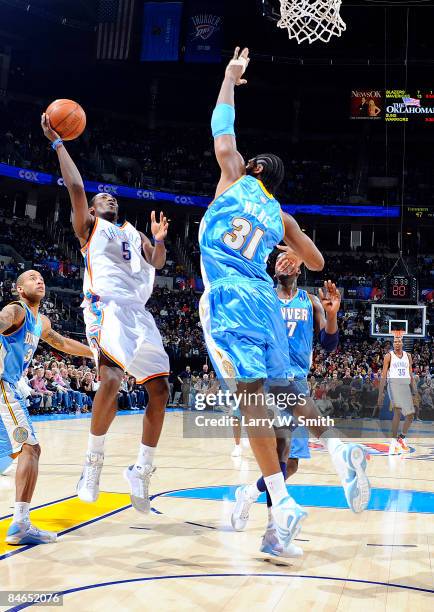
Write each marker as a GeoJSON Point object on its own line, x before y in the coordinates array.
{"type": "Point", "coordinates": [47, 129]}
{"type": "Point", "coordinates": [159, 228]}
{"type": "Point", "coordinates": [238, 66]}
{"type": "Point", "coordinates": [330, 297]}
{"type": "Point", "coordinates": [288, 261]}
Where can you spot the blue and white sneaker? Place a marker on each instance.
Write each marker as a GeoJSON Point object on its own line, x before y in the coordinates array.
{"type": "Point", "coordinates": [26, 533]}
{"type": "Point", "coordinates": [287, 517]}
{"type": "Point", "coordinates": [350, 463]}
{"type": "Point", "coordinates": [272, 546]}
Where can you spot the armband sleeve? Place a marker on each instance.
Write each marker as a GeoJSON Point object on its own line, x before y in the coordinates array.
{"type": "Point", "coordinates": [223, 120]}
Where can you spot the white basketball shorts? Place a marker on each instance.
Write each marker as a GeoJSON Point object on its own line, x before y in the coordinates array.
{"type": "Point", "coordinates": [401, 397]}
{"type": "Point", "coordinates": [127, 335]}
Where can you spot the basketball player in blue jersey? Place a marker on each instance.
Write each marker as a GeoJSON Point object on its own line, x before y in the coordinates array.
{"type": "Point", "coordinates": [240, 314]}
{"type": "Point", "coordinates": [304, 314]}
{"type": "Point", "coordinates": [21, 326]}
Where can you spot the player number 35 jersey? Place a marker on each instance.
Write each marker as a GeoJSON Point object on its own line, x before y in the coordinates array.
{"type": "Point", "coordinates": [115, 268]}
{"type": "Point", "coordinates": [399, 367]}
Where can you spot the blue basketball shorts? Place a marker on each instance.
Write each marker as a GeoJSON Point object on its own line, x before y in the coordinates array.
{"type": "Point", "coordinates": [299, 446]}
{"type": "Point", "coordinates": [244, 331]}
{"type": "Point", "coordinates": [16, 427]}
{"type": "Point", "coordinates": [299, 443]}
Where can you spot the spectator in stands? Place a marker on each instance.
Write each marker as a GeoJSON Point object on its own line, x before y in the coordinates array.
{"type": "Point", "coordinates": [39, 385]}
{"type": "Point", "coordinates": [185, 380]}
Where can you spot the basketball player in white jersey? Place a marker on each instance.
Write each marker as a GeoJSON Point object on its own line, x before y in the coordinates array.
{"type": "Point", "coordinates": [397, 372]}
{"type": "Point", "coordinates": [120, 269]}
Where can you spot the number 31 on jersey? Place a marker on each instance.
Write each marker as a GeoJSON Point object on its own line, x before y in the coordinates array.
{"type": "Point", "coordinates": [243, 236]}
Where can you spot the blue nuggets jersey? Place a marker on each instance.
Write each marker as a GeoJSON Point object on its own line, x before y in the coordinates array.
{"type": "Point", "coordinates": [239, 231]}
{"type": "Point", "coordinates": [18, 348]}
{"type": "Point", "coordinates": [298, 316]}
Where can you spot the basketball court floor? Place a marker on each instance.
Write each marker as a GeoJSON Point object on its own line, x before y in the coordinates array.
{"type": "Point", "coordinates": [184, 555]}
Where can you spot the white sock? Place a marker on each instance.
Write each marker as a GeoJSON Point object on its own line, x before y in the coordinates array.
{"type": "Point", "coordinates": [276, 487]}
{"type": "Point", "coordinates": [270, 519]}
{"type": "Point", "coordinates": [95, 444]}
{"type": "Point", "coordinates": [331, 443]}
{"type": "Point", "coordinates": [253, 491]}
{"type": "Point", "coordinates": [21, 511]}
{"type": "Point", "coordinates": [145, 456]}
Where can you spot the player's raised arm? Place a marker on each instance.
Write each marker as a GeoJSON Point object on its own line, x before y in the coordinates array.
{"type": "Point", "coordinates": [59, 342]}
{"type": "Point", "coordinates": [11, 315]}
{"type": "Point", "coordinates": [82, 220]}
{"type": "Point", "coordinates": [301, 244]}
{"type": "Point", "coordinates": [231, 163]}
{"type": "Point", "coordinates": [325, 312]}
{"type": "Point", "coordinates": [156, 255]}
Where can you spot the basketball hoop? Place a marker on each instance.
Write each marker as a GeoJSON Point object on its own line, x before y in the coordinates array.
{"type": "Point", "coordinates": [311, 20]}
{"type": "Point", "coordinates": [398, 334]}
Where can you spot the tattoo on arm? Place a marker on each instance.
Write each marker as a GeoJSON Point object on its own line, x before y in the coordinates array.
{"type": "Point", "coordinates": [54, 339]}
{"type": "Point", "coordinates": [9, 316]}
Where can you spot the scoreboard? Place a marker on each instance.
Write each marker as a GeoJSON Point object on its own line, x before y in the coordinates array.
{"type": "Point", "coordinates": [402, 106]}
{"type": "Point", "coordinates": [393, 105]}
{"type": "Point", "coordinates": [401, 288]}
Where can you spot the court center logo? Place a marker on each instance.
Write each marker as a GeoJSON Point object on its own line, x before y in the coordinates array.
{"type": "Point", "coordinates": [206, 25]}
{"type": "Point", "coordinates": [20, 435]}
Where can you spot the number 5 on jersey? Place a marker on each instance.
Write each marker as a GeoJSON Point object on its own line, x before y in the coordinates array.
{"type": "Point", "coordinates": [241, 235]}
{"type": "Point", "coordinates": [126, 253]}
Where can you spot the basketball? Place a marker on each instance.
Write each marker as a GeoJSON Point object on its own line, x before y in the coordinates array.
{"type": "Point", "coordinates": [67, 118]}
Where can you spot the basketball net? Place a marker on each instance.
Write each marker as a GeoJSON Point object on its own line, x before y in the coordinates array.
{"type": "Point", "coordinates": [311, 20]}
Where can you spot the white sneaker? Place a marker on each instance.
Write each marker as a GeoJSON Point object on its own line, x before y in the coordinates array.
{"type": "Point", "coordinates": [88, 485]}
{"type": "Point", "coordinates": [350, 463]}
{"type": "Point", "coordinates": [26, 533]}
{"type": "Point", "coordinates": [288, 517]}
{"type": "Point", "coordinates": [272, 546]}
{"type": "Point", "coordinates": [394, 447]}
{"type": "Point", "coordinates": [243, 503]}
{"type": "Point", "coordinates": [139, 484]}
{"type": "Point", "coordinates": [237, 451]}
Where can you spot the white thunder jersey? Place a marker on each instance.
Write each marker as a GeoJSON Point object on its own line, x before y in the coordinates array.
{"type": "Point", "coordinates": [399, 368]}
{"type": "Point", "coordinates": [116, 270]}
{"type": "Point", "coordinates": [117, 284]}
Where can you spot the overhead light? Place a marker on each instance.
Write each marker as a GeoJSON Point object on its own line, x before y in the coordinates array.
{"type": "Point", "coordinates": [408, 233]}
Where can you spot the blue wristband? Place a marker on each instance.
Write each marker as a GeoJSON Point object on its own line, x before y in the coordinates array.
{"type": "Point", "coordinates": [157, 241]}
{"type": "Point", "coordinates": [223, 119]}
{"type": "Point", "coordinates": [56, 143]}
